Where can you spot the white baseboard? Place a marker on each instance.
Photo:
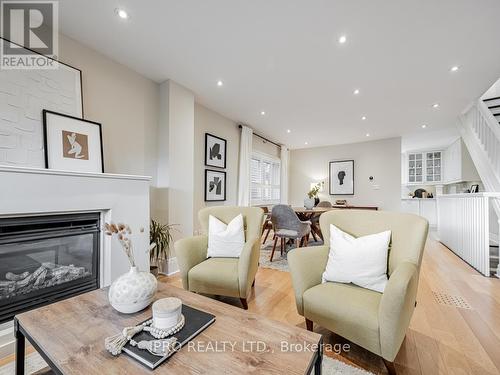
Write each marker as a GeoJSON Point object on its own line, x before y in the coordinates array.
{"type": "Point", "coordinates": [172, 266]}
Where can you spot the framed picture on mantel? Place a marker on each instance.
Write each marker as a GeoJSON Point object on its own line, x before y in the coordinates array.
{"type": "Point", "coordinates": [341, 177]}
{"type": "Point", "coordinates": [71, 143]}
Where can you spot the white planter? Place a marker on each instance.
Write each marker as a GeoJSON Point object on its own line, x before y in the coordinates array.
{"type": "Point", "coordinates": [309, 203]}
{"type": "Point", "coordinates": [132, 291]}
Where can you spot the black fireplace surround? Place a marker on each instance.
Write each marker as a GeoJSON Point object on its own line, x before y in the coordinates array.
{"type": "Point", "coordinates": [44, 259]}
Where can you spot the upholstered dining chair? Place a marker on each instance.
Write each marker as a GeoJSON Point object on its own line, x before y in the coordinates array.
{"type": "Point", "coordinates": [376, 321]}
{"type": "Point", "coordinates": [287, 226]}
{"type": "Point", "coordinates": [233, 277]}
{"type": "Point", "coordinates": [326, 204]}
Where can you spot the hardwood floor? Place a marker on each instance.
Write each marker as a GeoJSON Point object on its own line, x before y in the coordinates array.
{"type": "Point", "coordinates": [442, 339]}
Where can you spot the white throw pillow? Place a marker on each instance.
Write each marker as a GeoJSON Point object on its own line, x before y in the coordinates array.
{"type": "Point", "coordinates": [225, 240]}
{"type": "Point", "coordinates": [361, 261]}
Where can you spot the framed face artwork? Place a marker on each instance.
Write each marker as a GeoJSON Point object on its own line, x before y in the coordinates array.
{"type": "Point", "coordinates": [342, 177]}
{"type": "Point", "coordinates": [215, 185]}
{"type": "Point", "coordinates": [72, 144]}
{"type": "Point", "coordinates": [215, 151]}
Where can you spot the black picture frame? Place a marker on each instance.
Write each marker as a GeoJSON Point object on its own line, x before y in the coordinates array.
{"type": "Point", "coordinates": [474, 188]}
{"type": "Point", "coordinates": [213, 171]}
{"type": "Point", "coordinates": [46, 112]}
{"type": "Point", "coordinates": [79, 71]}
{"type": "Point", "coordinates": [331, 185]}
{"type": "Point", "coordinates": [208, 138]}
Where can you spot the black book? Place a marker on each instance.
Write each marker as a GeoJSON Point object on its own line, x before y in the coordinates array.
{"type": "Point", "coordinates": [195, 322]}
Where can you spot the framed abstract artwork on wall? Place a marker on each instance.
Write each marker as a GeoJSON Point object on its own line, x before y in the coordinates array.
{"type": "Point", "coordinates": [341, 177]}
{"type": "Point", "coordinates": [215, 151]}
{"type": "Point", "coordinates": [215, 185]}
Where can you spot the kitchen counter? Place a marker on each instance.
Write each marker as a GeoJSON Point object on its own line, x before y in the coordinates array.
{"type": "Point", "coordinates": [414, 199]}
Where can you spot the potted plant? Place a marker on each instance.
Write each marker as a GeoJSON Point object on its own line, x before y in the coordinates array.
{"type": "Point", "coordinates": [312, 196]}
{"type": "Point", "coordinates": [160, 238]}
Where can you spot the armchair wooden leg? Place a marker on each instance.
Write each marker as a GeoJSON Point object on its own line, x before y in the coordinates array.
{"type": "Point", "coordinates": [309, 325]}
{"type": "Point", "coordinates": [244, 303]}
{"type": "Point", "coordinates": [390, 367]}
{"type": "Point", "coordinates": [306, 240]}
{"type": "Point", "coordinates": [314, 236]}
{"type": "Point", "coordinates": [274, 248]}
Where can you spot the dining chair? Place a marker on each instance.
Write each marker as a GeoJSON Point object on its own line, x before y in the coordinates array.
{"type": "Point", "coordinates": [287, 226]}
{"type": "Point", "coordinates": [268, 225]}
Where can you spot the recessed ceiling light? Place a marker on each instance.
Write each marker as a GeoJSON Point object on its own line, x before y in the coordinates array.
{"type": "Point", "coordinates": [262, 113]}
{"type": "Point", "coordinates": [356, 92]}
{"type": "Point", "coordinates": [288, 131]}
{"type": "Point", "coordinates": [424, 126]}
{"type": "Point", "coordinates": [367, 134]}
{"type": "Point", "coordinates": [454, 68]}
{"type": "Point", "coordinates": [306, 143]}
{"type": "Point", "coordinates": [220, 83]}
{"type": "Point", "coordinates": [435, 105]}
{"type": "Point", "coordinates": [342, 39]}
{"type": "Point", "coordinates": [363, 118]}
{"type": "Point", "coordinates": [122, 13]}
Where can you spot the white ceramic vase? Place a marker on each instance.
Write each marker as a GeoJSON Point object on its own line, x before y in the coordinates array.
{"type": "Point", "coordinates": [309, 203]}
{"type": "Point", "coordinates": [132, 291]}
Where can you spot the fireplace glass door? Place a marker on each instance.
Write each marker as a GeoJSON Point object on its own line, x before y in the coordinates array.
{"type": "Point", "coordinates": [45, 259]}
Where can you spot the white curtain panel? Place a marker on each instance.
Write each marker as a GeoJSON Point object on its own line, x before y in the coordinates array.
{"type": "Point", "coordinates": [285, 155]}
{"type": "Point", "coordinates": [244, 170]}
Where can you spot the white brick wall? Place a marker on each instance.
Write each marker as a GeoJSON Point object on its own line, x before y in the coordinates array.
{"type": "Point", "coordinates": [23, 96]}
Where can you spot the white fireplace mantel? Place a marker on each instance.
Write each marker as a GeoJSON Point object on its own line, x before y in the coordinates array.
{"type": "Point", "coordinates": [119, 198]}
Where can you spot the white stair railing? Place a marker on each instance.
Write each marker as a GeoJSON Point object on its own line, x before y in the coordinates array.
{"type": "Point", "coordinates": [464, 226]}
{"type": "Point", "coordinates": [481, 134]}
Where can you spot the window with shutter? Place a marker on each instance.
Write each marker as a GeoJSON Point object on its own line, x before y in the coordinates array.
{"type": "Point", "coordinates": [265, 179]}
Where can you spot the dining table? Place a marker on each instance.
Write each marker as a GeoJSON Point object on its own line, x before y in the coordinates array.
{"type": "Point", "coordinates": [308, 214]}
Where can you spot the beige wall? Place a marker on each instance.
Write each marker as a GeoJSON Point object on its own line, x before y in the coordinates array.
{"type": "Point", "coordinates": [380, 159]}
{"type": "Point", "coordinates": [127, 106]}
{"type": "Point", "coordinates": [208, 121]}
{"type": "Point", "coordinates": [260, 145]}
{"type": "Point", "coordinates": [124, 102]}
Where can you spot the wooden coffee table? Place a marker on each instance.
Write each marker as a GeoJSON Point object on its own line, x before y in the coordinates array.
{"type": "Point", "coordinates": [70, 334]}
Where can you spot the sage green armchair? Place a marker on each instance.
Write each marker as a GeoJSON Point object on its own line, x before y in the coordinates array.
{"type": "Point", "coordinates": [231, 277]}
{"type": "Point", "coordinates": [375, 321]}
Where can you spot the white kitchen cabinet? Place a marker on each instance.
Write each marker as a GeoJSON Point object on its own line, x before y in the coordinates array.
{"type": "Point", "coordinates": [425, 207]}
{"type": "Point", "coordinates": [424, 167]}
{"type": "Point", "coordinates": [458, 165]}
{"type": "Point", "coordinates": [428, 209]}
{"type": "Point", "coordinates": [411, 206]}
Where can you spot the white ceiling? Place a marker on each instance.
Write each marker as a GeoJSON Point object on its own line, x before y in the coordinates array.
{"type": "Point", "coordinates": [283, 57]}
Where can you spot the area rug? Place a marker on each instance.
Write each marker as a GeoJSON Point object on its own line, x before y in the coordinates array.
{"type": "Point", "coordinates": [33, 363]}
{"type": "Point", "coordinates": [279, 262]}
{"type": "Point", "coordinates": [330, 366]}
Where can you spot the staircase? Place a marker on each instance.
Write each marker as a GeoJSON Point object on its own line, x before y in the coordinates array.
{"type": "Point", "coordinates": [480, 130]}
{"type": "Point", "coordinates": [493, 105]}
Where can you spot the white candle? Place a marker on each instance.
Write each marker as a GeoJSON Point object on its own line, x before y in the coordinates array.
{"type": "Point", "coordinates": [166, 312]}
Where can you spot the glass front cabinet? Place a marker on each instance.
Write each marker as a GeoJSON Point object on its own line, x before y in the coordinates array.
{"type": "Point", "coordinates": [424, 167]}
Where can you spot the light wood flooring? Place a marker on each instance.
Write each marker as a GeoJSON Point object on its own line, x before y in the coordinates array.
{"type": "Point", "coordinates": [442, 339]}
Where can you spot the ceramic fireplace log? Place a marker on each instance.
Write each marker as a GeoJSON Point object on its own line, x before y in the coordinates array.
{"type": "Point", "coordinates": [47, 274]}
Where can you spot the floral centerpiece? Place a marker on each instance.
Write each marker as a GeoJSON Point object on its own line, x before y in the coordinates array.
{"type": "Point", "coordinates": [134, 290]}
